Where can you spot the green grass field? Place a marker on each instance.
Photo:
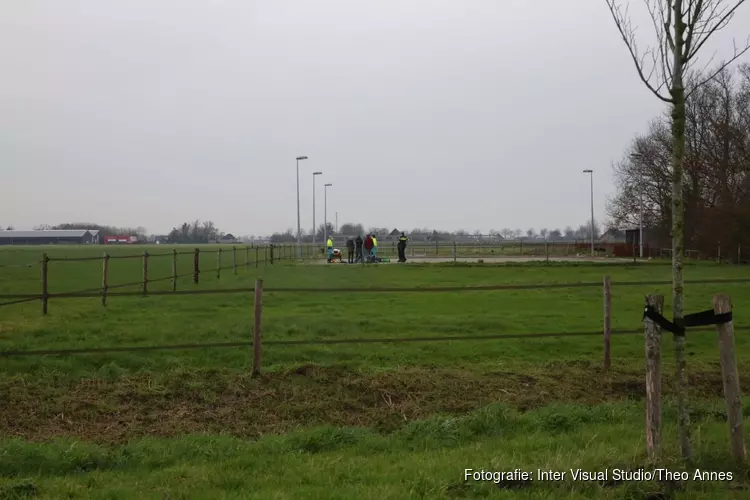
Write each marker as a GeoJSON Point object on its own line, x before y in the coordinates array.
{"type": "Point", "coordinates": [378, 420]}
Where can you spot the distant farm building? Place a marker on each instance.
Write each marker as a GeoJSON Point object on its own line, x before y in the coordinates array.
{"type": "Point", "coordinates": [50, 237]}
{"type": "Point", "coordinates": [120, 240]}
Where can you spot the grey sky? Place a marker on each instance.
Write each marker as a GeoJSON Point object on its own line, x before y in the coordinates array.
{"type": "Point", "coordinates": [448, 114]}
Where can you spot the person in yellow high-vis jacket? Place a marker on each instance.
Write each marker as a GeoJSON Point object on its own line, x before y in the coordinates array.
{"type": "Point", "coordinates": [374, 247]}
{"type": "Point", "coordinates": [329, 247]}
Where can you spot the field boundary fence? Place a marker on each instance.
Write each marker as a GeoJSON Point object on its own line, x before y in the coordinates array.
{"type": "Point", "coordinates": [258, 290]}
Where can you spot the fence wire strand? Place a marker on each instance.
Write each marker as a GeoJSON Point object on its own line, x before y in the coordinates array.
{"type": "Point", "coordinates": [371, 340]}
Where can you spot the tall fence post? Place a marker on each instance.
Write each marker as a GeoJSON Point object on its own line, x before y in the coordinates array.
{"type": "Point", "coordinates": [196, 265]}
{"type": "Point", "coordinates": [105, 273]}
{"type": "Point", "coordinates": [174, 269]}
{"type": "Point", "coordinates": [607, 322]}
{"type": "Point", "coordinates": [454, 252]}
{"type": "Point", "coordinates": [739, 254]}
{"type": "Point", "coordinates": [653, 379]}
{"type": "Point", "coordinates": [546, 250]}
{"type": "Point", "coordinates": [234, 260]}
{"type": "Point", "coordinates": [265, 256]}
{"type": "Point", "coordinates": [257, 327]}
{"type": "Point", "coordinates": [145, 272]}
{"type": "Point", "coordinates": [722, 305]}
{"type": "Point", "coordinates": [271, 251]}
{"type": "Point", "coordinates": [247, 258]}
{"type": "Point", "coordinates": [218, 263]}
{"type": "Point", "coordinates": [45, 290]}
{"type": "Point", "coordinates": [256, 257]}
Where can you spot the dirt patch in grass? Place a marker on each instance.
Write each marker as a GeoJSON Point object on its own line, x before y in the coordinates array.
{"type": "Point", "coordinates": [229, 403]}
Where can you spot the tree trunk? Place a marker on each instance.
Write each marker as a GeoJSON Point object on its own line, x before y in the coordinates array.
{"type": "Point", "coordinates": [678, 225]}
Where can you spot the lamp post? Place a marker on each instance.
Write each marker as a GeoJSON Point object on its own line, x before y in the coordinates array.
{"type": "Point", "coordinates": [591, 173]}
{"type": "Point", "coordinates": [299, 229]}
{"type": "Point", "coordinates": [325, 212]}
{"type": "Point", "coordinates": [638, 157]}
{"type": "Point", "coordinates": [315, 229]}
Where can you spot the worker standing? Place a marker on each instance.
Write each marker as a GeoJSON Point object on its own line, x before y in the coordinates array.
{"type": "Point", "coordinates": [374, 247]}
{"type": "Point", "coordinates": [350, 250]}
{"type": "Point", "coordinates": [358, 244]}
{"type": "Point", "coordinates": [368, 247]}
{"type": "Point", "coordinates": [402, 240]}
{"type": "Point", "coordinates": [329, 247]}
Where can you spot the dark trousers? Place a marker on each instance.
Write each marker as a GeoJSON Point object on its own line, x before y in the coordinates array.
{"type": "Point", "coordinates": [350, 255]}
{"type": "Point", "coordinates": [358, 256]}
{"type": "Point", "coordinates": [401, 253]}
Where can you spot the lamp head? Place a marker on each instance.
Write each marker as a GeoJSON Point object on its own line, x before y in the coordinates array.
{"type": "Point", "coordinates": [317, 173]}
{"type": "Point", "coordinates": [588, 171]}
{"type": "Point", "coordinates": [302, 157]}
{"type": "Point", "coordinates": [328, 185]}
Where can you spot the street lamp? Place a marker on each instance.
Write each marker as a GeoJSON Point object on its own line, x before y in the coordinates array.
{"type": "Point", "coordinates": [325, 212]}
{"type": "Point", "coordinates": [299, 229]}
{"type": "Point", "coordinates": [638, 157]}
{"type": "Point", "coordinates": [591, 172]}
{"type": "Point", "coordinates": [315, 229]}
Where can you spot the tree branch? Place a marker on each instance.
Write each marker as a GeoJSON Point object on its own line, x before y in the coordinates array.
{"type": "Point", "coordinates": [629, 39]}
{"type": "Point", "coordinates": [709, 26]}
{"type": "Point", "coordinates": [722, 66]}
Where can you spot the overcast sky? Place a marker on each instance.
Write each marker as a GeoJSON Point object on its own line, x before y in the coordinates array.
{"type": "Point", "coordinates": [473, 114]}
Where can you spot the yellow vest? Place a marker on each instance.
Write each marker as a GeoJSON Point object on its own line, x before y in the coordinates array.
{"type": "Point", "coordinates": [330, 243]}
{"type": "Point", "coordinates": [374, 241]}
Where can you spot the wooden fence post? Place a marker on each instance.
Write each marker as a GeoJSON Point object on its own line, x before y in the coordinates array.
{"type": "Point", "coordinates": [723, 304]}
{"type": "Point", "coordinates": [607, 322]}
{"type": "Point", "coordinates": [271, 251]}
{"type": "Point", "coordinates": [739, 254]}
{"type": "Point", "coordinates": [546, 251]}
{"type": "Point", "coordinates": [145, 272]}
{"type": "Point", "coordinates": [45, 290]}
{"type": "Point", "coordinates": [265, 256]}
{"type": "Point", "coordinates": [653, 379]}
{"type": "Point", "coordinates": [247, 258]}
{"type": "Point", "coordinates": [196, 265]}
{"type": "Point", "coordinates": [234, 260]}
{"type": "Point", "coordinates": [105, 273]}
{"type": "Point", "coordinates": [218, 263]}
{"type": "Point", "coordinates": [257, 327]}
{"type": "Point", "coordinates": [454, 252]}
{"type": "Point", "coordinates": [256, 257]}
{"type": "Point", "coordinates": [174, 269]}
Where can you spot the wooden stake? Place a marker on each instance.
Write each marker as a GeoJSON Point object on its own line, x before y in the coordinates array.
{"type": "Point", "coordinates": [145, 272]}
{"type": "Point", "coordinates": [218, 263]}
{"type": "Point", "coordinates": [196, 265]}
{"type": "Point", "coordinates": [653, 379]}
{"type": "Point", "coordinates": [723, 304]}
{"type": "Point", "coordinates": [247, 258]}
{"type": "Point", "coordinates": [45, 291]}
{"type": "Point", "coordinates": [256, 257]}
{"type": "Point", "coordinates": [105, 273]}
{"type": "Point", "coordinates": [546, 250]}
{"type": "Point", "coordinates": [607, 322]}
{"type": "Point", "coordinates": [174, 269]}
{"type": "Point", "coordinates": [257, 327]}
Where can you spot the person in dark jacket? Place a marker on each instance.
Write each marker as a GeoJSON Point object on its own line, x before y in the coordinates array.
{"type": "Point", "coordinates": [350, 250]}
{"type": "Point", "coordinates": [358, 245]}
{"type": "Point", "coordinates": [402, 240]}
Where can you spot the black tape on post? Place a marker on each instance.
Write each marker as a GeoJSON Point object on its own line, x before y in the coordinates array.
{"type": "Point", "coordinates": [704, 318]}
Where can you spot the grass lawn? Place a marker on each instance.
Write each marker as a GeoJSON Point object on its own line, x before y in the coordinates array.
{"type": "Point", "coordinates": [390, 420]}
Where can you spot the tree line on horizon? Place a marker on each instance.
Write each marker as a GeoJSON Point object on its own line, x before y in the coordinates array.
{"type": "Point", "coordinates": [716, 186]}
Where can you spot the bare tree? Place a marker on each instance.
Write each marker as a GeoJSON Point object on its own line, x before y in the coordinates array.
{"type": "Point", "coordinates": [682, 28]}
